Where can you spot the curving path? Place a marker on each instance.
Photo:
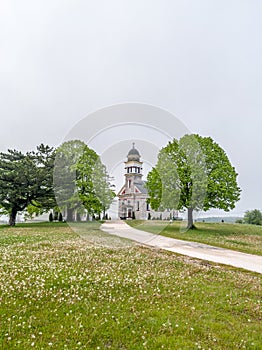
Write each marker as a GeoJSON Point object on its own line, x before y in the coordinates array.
{"type": "Point", "coordinates": [197, 250]}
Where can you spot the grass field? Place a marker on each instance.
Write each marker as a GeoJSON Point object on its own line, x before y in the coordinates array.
{"type": "Point", "coordinates": [244, 238]}
{"type": "Point", "coordinates": [59, 290]}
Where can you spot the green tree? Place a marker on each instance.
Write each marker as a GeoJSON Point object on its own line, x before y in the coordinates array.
{"type": "Point", "coordinates": [253, 217]}
{"type": "Point", "coordinates": [26, 181]}
{"type": "Point", "coordinates": [81, 182]}
{"type": "Point", "coordinates": [65, 176]}
{"type": "Point", "coordinates": [102, 186]}
{"type": "Point", "coordinates": [33, 211]}
{"type": "Point", "coordinates": [193, 173]}
{"type": "Point", "coordinates": [85, 181]}
{"type": "Point", "coordinates": [93, 183]}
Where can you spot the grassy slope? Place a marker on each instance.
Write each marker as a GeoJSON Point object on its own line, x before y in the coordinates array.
{"type": "Point", "coordinates": [244, 238]}
{"type": "Point", "coordinates": [62, 291]}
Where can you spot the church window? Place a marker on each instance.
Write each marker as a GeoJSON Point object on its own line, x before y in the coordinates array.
{"type": "Point", "coordinates": [147, 206]}
{"type": "Point", "coordinates": [137, 205]}
{"type": "Point", "coordinates": [129, 183]}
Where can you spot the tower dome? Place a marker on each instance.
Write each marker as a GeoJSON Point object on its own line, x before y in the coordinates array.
{"type": "Point", "coordinates": [133, 154]}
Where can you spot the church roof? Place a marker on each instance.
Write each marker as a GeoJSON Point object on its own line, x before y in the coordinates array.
{"type": "Point", "coordinates": [141, 186]}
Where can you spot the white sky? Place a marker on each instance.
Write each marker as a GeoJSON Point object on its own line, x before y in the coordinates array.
{"type": "Point", "coordinates": [200, 60]}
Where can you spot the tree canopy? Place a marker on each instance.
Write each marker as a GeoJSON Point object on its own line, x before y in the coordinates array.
{"type": "Point", "coordinates": [193, 173]}
{"type": "Point", "coordinates": [94, 184]}
{"type": "Point", "coordinates": [253, 217]}
{"type": "Point", "coordinates": [71, 178]}
{"type": "Point", "coordinates": [81, 182]}
{"type": "Point", "coordinates": [65, 174]}
{"type": "Point", "coordinates": [26, 181]}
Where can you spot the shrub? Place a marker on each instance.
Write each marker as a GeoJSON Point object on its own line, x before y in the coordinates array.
{"type": "Point", "coordinates": [51, 218]}
{"type": "Point", "coordinates": [253, 217]}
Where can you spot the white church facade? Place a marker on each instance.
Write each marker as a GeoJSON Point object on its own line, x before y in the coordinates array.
{"type": "Point", "coordinates": [132, 198]}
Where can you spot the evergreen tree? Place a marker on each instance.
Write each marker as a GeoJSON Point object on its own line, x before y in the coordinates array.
{"type": "Point", "coordinates": [51, 218]}
{"type": "Point", "coordinates": [26, 180]}
{"type": "Point", "coordinates": [60, 217]}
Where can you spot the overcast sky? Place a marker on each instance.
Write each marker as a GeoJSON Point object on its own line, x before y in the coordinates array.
{"type": "Point", "coordinates": [198, 59]}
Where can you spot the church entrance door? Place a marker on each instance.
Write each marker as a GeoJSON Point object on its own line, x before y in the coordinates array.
{"type": "Point", "coordinates": [129, 213]}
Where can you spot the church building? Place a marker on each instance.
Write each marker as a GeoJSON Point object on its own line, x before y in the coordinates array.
{"type": "Point", "coordinates": [133, 195]}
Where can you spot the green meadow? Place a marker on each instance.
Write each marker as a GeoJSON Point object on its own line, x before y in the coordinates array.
{"type": "Point", "coordinates": [244, 238]}
{"type": "Point", "coordinates": [81, 289]}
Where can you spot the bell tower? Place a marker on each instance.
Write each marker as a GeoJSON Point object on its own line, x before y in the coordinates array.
{"type": "Point", "coordinates": [133, 169]}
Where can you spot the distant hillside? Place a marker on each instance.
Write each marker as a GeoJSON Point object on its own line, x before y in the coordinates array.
{"type": "Point", "coordinates": [229, 219]}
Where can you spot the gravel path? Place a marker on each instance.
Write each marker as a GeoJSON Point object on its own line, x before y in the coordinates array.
{"type": "Point", "coordinates": [197, 250]}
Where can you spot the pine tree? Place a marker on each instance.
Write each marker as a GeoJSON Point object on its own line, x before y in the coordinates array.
{"type": "Point", "coordinates": [26, 180]}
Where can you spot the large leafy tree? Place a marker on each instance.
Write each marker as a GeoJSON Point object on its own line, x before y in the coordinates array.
{"type": "Point", "coordinates": [80, 180]}
{"type": "Point", "coordinates": [65, 175]}
{"type": "Point", "coordinates": [85, 181]}
{"type": "Point", "coordinates": [193, 173]}
{"type": "Point", "coordinates": [102, 187]}
{"type": "Point", "coordinates": [26, 181]}
{"type": "Point", "coordinates": [93, 183]}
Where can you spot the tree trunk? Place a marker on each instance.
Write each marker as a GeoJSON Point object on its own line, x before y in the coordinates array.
{"type": "Point", "coordinates": [190, 222]}
{"type": "Point", "coordinates": [69, 214]}
{"type": "Point", "coordinates": [78, 217]}
{"type": "Point", "coordinates": [12, 217]}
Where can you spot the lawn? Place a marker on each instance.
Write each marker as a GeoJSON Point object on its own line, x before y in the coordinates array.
{"type": "Point", "coordinates": [244, 238]}
{"type": "Point", "coordinates": [63, 290]}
